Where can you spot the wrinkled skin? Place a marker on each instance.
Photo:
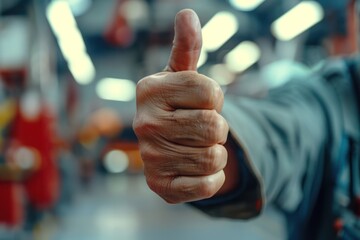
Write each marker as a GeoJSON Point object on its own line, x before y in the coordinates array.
{"type": "Point", "coordinates": [181, 133]}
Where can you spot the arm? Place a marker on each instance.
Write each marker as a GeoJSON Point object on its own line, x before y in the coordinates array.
{"type": "Point", "coordinates": [286, 137]}
{"type": "Point", "coordinates": [180, 130]}
{"type": "Point", "coordinates": [274, 143]}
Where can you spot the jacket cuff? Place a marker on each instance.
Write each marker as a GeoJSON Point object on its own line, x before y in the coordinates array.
{"type": "Point", "coordinates": [248, 200]}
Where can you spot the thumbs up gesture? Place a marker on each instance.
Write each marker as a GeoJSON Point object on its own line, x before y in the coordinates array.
{"type": "Point", "coordinates": [180, 131]}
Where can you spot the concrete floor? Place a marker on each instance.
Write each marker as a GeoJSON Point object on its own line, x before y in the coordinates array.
{"type": "Point", "coordinates": [122, 207]}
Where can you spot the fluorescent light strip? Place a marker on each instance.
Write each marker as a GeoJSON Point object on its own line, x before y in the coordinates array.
{"type": "Point", "coordinates": [297, 20]}
{"type": "Point", "coordinates": [70, 41]}
{"type": "Point", "coordinates": [218, 30]}
{"type": "Point", "coordinates": [246, 5]}
{"type": "Point", "coordinates": [72, 47]}
{"type": "Point", "coordinates": [82, 69]}
{"type": "Point", "coordinates": [116, 89]}
{"type": "Point", "coordinates": [242, 56]}
{"type": "Point", "coordinates": [60, 17]}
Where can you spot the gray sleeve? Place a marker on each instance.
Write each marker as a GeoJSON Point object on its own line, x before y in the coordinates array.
{"type": "Point", "coordinates": [285, 138]}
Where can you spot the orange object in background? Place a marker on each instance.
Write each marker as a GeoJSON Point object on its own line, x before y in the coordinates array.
{"type": "Point", "coordinates": [104, 122]}
{"type": "Point", "coordinates": [346, 45]}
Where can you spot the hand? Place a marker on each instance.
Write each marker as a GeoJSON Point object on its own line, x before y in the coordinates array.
{"type": "Point", "coordinates": [180, 131]}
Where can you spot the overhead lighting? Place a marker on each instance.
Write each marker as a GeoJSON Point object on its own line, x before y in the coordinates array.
{"type": "Point", "coordinates": [116, 89]}
{"type": "Point", "coordinates": [242, 56]}
{"type": "Point", "coordinates": [82, 69]}
{"type": "Point", "coordinates": [218, 30]}
{"type": "Point", "coordinates": [60, 17]}
{"type": "Point", "coordinates": [70, 40]}
{"type": "Point", "coordinates": [297, 20]}
{"type": "Point", "coordinates": [71, 47]}
{"type": "Point", "coordinates": [246, 5]}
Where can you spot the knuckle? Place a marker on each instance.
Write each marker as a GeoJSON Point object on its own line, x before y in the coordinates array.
{"type": "Point", "coordinates": [136, 125]}
{"type": "Point", "coordinates": [216, 127]}
{"type": "Point", "coordinates": [148, 153]}
{"type": "Point", "coordinates": [221, 156]}
{"type": "Point", "coordinates": [208, 91]}
{"type": "Point", "coordinates": [209, 163]}
{"type": "Point", "coordinates": [156, 184]}
{"type": "Point", "coordinates": [185, 190]}
{"type": "Point", "coordinates": [207, 94]}
{"type": "Point", "coordinates": [206, 188]}
{"type": "Point", "coordinates": [214, 160]}
{"type": "Point", "coordinates": [211, 93]}
{"type": "Point", "coordinates": [139, 126]}
{"type": "Point", "coordinates": [193, 158]}
{"type": "Point", "coordinates": [143, 125]}
{"type": "Point", "coordinates": [147, 88]}
{"type": "Point", "coordinates": [223, 129]}
{"type": "Point", "coordinates": [218, 93]}
{"type": "Point", "coordinates": [152, 183]}
{"type": "Point", "coordinates": [208, 166]}
{"type": "Point", "coordinates": [163, 186]}
{"type": "Point", "coordinates": [142, 86]}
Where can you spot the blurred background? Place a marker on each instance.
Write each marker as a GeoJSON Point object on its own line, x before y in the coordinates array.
{"type": "Point", "coordinates": [69, 161]}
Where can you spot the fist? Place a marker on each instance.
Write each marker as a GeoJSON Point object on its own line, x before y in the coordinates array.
{"type": "Point", "coordinates": [180, 131]}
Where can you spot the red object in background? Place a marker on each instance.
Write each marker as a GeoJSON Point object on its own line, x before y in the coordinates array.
{"type": "Point", "coordinates": [13, 77]}
{"type": "Point", "coordinates": [338, 226]}
{"type": "Point", "coordinates": [11, 206]}
{"type": "Point", "coordinates": [42, 187]}
{"type": "Point", "coordinates": [119, 32]}
{"type": "Point", "coordinates": [347, 44]}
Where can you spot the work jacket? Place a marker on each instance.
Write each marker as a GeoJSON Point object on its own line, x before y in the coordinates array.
{"type": "Point", "coordinates": [290, 146]}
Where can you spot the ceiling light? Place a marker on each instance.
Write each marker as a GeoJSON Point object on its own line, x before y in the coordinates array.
{"type": "Point", "coordinates": [60, 17]}
{"type": "Point", "coordinates": [246, 5]}
{"type": "Point", "coordinates": [71, 47]}
{"type": "Point", "coordinates": [242, 56]}
{"type": "Point", "coordinates": [116, 89]}
{"type": "Point", "coordinates": [297, 20]}
{"type": "Point", "coordinates": [70, 40]}
{"type": "Point", "coordinates": [218, 30]}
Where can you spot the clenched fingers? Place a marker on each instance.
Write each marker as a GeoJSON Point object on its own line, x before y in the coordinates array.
{"type": "Point", "coordinates": [186, 188]}
{"type": "Point", "coordinates": [195, 128]}
{"type": "Point", "coordinates": [179, 90]}
{"type": "Point", "coordinates": [171, 160]}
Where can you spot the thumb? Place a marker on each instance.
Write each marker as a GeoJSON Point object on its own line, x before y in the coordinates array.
{"type": "Point", "coordinates": [187, 42]}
